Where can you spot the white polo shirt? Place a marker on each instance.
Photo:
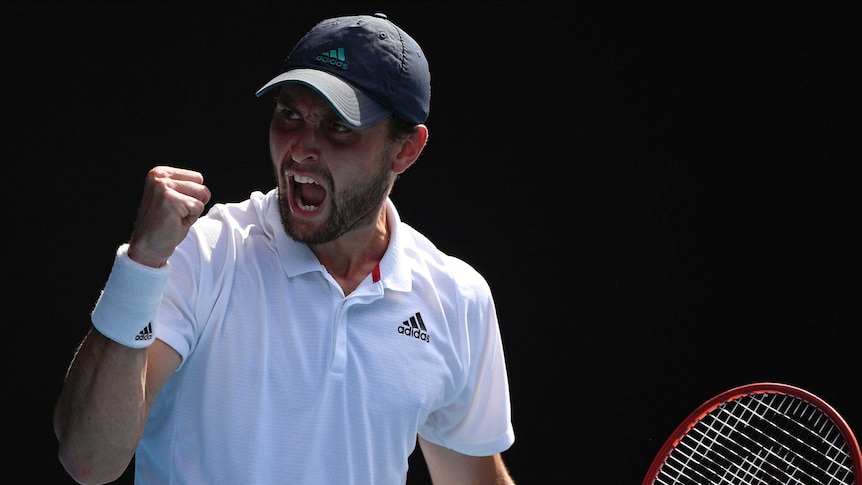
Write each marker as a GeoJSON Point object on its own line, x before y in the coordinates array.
{"type": "Point", "coordinates": [284, 380]}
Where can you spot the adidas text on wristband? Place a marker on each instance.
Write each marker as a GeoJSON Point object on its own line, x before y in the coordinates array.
{"type": "Point", "coordinates": [127, 308]}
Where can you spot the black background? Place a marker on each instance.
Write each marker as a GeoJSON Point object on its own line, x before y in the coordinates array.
{"type": "Point", "coordinates": [663, 195]}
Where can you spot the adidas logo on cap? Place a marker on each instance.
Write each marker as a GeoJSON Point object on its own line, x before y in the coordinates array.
{"type": "Point", "coordinates": [334, 57]}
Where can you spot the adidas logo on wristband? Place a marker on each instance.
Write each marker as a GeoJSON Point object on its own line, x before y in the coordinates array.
{"type": "Point", "coordinates": [146, 333]}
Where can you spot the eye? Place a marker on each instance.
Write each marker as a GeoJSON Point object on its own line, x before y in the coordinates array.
{"type": "Point", "coordinates": [288, 113]}
{"type": "Point", "coordinates": [339, 127]}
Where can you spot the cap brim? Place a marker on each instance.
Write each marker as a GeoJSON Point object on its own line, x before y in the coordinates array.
{"type": "Point", "coordinates": [352, 105]}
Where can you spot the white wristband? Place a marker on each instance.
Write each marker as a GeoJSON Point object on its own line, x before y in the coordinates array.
{"type": "Point", "coordinates": [126, 309]}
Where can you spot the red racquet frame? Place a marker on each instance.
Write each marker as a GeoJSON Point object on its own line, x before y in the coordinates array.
{"type": "Point", "coordinates": [713, 407]}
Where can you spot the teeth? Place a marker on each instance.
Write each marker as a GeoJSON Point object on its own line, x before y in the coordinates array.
{"type": "Point", "coordinates": [302, 179]}
{"type": "Point", "coordinates": [303, 206]}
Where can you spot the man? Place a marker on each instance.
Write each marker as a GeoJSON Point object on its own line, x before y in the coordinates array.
{"type": "Point", "coordinates": [305, 335]}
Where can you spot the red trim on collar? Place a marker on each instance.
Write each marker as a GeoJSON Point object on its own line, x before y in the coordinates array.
{"type": "Point", "coordinates": [375, 273]}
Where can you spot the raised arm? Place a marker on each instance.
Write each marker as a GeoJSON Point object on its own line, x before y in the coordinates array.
{"type": "Point", "coordinates": [113, 379]}
{"type": "Point", "coordinates": [100, 416]}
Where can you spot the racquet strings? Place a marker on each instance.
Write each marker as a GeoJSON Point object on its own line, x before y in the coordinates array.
{"type": "Point", "coordinates": [760, 438]}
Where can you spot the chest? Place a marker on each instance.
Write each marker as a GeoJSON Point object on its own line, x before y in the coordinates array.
{"type": "Point", "coordinates": [297, 341]}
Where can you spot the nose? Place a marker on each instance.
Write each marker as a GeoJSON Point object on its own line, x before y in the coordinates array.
{"type": "Point", "coordinates": [304, 146]}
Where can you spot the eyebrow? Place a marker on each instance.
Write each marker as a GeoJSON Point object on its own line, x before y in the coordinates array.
{"type": "Point", "coordinates": [286, 99]}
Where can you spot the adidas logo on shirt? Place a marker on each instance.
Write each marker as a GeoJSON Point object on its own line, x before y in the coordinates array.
{"type": "Point", "coordinates": [334, 57]}
{"type": "Point", "coordinates": [146, 333]}
{"type": "Point", "coordinates": [414, 327]}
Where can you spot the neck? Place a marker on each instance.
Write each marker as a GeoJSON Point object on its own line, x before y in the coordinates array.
{"type": "Point", "coordinates": [351, 257]}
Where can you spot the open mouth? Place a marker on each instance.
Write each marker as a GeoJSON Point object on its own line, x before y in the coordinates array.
{"type": "Point", "coordinates": [308, 195]}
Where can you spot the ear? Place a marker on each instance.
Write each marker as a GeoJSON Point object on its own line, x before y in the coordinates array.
{"type": "Point", "coordinates": [411, 148]}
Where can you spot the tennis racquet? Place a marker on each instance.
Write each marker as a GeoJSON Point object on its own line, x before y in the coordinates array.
{"type": "Point", "coordinates": [761, 433]}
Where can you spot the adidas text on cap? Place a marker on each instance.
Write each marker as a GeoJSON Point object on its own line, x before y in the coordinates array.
{"type": "Point", "coordinates": [365, 66]}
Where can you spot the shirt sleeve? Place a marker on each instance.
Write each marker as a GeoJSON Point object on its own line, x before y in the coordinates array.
{"type": "Point", "coordinates": [478, 421]}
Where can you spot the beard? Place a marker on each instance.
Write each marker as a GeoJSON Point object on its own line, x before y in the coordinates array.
{"type": "Point", "coordinates": [354, 206]}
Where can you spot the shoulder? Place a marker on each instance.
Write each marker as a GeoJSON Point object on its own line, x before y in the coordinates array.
{"type": "Point", "coordinates": [242, 216]}
{"type": "Point", "coordinates": [445, 269]}
{"type": "Point", "coordinates": [249, 211]}
{"type": "Point", "coordinates": [226, 228]}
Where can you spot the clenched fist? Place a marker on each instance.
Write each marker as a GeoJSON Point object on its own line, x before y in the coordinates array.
{"type": "Point", "coordinates": [173, 200]}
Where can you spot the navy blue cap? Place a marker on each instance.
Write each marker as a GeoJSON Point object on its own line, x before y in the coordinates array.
{"type": "Point", "coordinates": [365, 66]}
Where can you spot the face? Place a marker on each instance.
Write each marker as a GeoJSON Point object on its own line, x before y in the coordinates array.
{"type": "Point", "coordinates": [331, 177]}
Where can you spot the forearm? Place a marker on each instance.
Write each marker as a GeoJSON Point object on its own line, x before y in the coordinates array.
{"type": "Point", "coordinates": [102, 410]}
